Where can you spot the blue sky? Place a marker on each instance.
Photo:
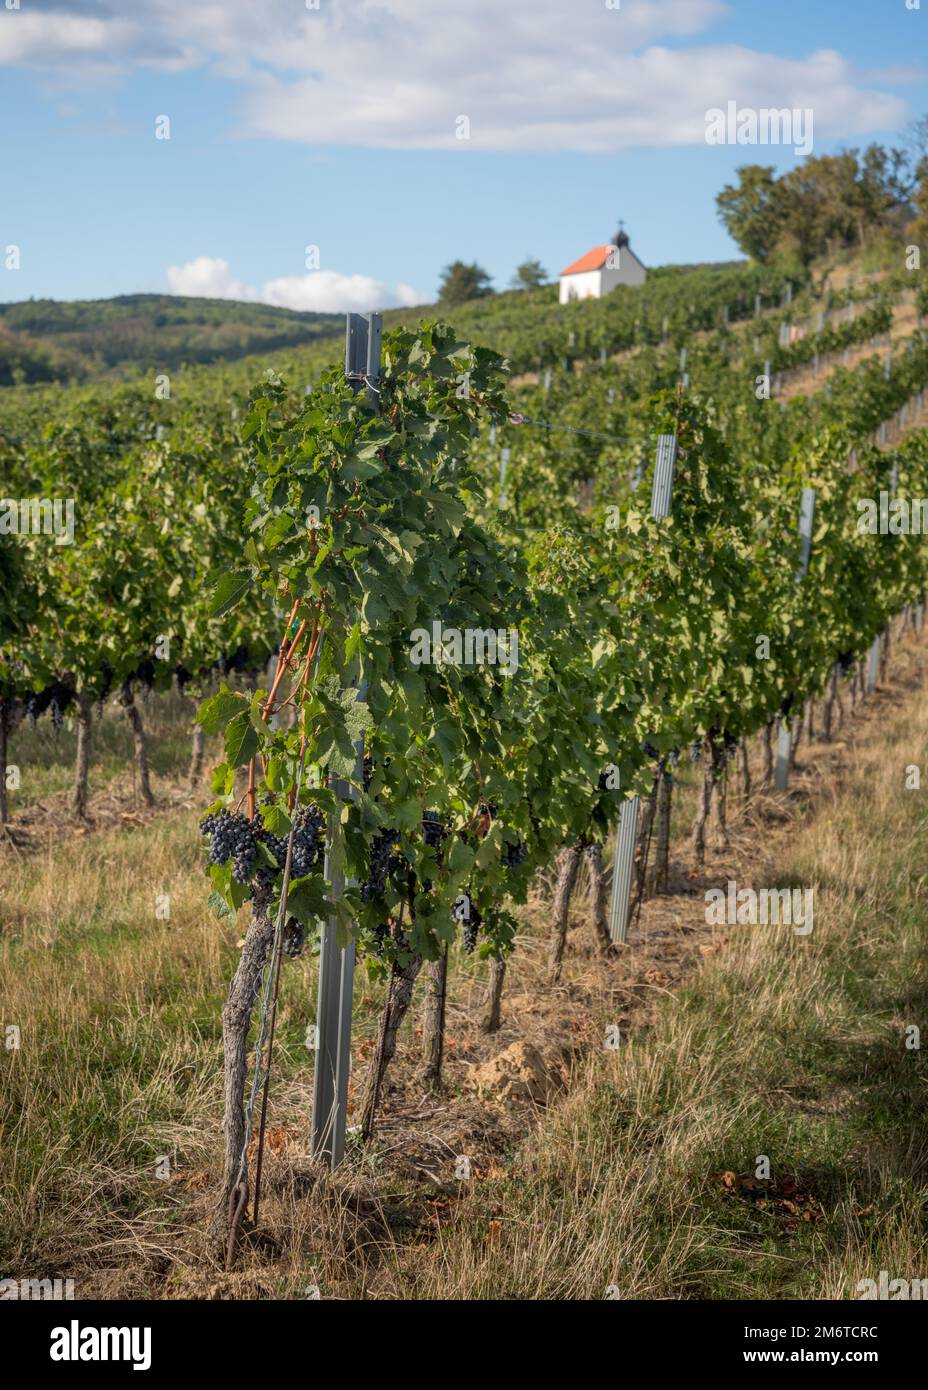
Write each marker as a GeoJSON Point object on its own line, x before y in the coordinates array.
{"type": "Point", "coordinates": [335, 127]}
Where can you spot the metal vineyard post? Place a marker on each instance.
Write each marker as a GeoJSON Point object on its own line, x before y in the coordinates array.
{"type": "Point", "coordinates": [784, 737]}
{"type": "Point", "coordinates": [363, 334]}
{"type": "Point", "coordinates": [627, 831]}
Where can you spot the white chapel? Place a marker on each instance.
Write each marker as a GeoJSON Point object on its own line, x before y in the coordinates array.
{"type": "Point", "coordinates": [602, 269]}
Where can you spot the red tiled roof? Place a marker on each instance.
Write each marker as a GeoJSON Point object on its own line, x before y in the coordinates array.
{"type": "Point", "coordinates": [593, 260]}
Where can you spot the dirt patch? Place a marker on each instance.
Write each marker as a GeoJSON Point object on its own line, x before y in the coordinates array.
{"type": "Point", "coordinates": [521, 1074]}
{"type": "Point", "coordinates": [787, 1200]}
{"type": "Point", "coordinates": [46, 823]}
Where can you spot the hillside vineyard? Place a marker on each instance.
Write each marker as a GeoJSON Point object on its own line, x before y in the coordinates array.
{"type": "Point", "coordinates": [471, 493]}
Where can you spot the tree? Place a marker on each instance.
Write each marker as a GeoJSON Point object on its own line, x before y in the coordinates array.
{"type": "Point", "coordinates": [751, 211]}
{"type": "Point", "coordinates": [916, 143]}
{"type": "Point", "coordinates": [460, 282]}
{"type": "Point", "coordinates": [826, 203]}
{"type": "Point", "coordinates": [530, 275]}
{"type": "Point", "coordinates": [823, 205]}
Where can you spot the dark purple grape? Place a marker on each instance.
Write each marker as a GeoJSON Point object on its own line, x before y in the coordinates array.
{"type": "Point", "coordinates": [512, 855]}
{"type": "Point", "coordinates": [381, 853]}
{"type": "Point", "coordinates": [471, 922]}
{"type": "Point", "coordinates": [145, 673]}
{"type": "Point", "coordinates": [294, 938]}
{"type": "Point", "coordinates": [231, 836]}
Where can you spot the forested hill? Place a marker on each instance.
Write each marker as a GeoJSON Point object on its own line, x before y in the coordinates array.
{"type": "Point", "coordinates": [52, 340]}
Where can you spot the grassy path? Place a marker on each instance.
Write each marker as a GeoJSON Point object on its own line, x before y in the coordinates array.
{"type": "Point", "coordinates": [783, 1046]}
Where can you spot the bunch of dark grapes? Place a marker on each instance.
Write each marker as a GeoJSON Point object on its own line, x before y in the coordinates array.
{"type": "Point", "coordinates": [434, 831]}
{"type": "Point", "coordinates": [512, 855]}
{"type": "Point", "coordinates": [294, 938]}
{"type": "Point", "coordinates": [696, 750]}
{"type": "Point", "coordinates": [674, 756]}
{"type": "Point", "coordinates": [731, 746]}
{"type": "Point", "coordinates": [56, 697]}
{"type": "Point", "coordinates": [379, 863]}
{"type": "Point", "coordinates": [398, 867]}
{"type": "Point", "coordinates": [34, 707]}
{"type": "Point", "coordinates": [371, 768]}
{"type": "Point", "coordinates": [787, 705]}
{"type": "Point", "coordinates": [62, 697]}
{"type": "Point", "coordinates": [308, 840]}
{"type": "Point", "coordinates": [469, 929]}
{"type": "Point", "coordinates": [145, 674]}
{"type": "Point", "coordinates": [649, 750]}
{"type": "Point", "coordinates": [231, 836]}
{"type": "Point", "coordinates": [106, 683]}
{"type": "Point", "coordinates": [845, 662]}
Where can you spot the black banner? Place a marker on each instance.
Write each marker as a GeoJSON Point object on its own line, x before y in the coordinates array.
{"type": "Point", "coordinates": [157, 1339]}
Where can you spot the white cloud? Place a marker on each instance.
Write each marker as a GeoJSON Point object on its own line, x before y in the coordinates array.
{"type": "Point", "coordinates": [530, 74]}
{"type": "Point", "coordinates": [328, 291]}
{"type": "Point", "coordinates": [406, 296]}
{"type": "Point", "coordinates": [657, 97]}
{"type": "Point", "coordinates": [205, 278]}
{"type": "Point", "coordinates": [82, 43]}
{"type": "Point", "coordinates": [26, 36]}
{"type": "Point", "coordinates": [323, 291]}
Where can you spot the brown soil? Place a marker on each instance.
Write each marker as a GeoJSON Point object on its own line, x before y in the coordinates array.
{"type": "Point", "coordinates": [39, 825]}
